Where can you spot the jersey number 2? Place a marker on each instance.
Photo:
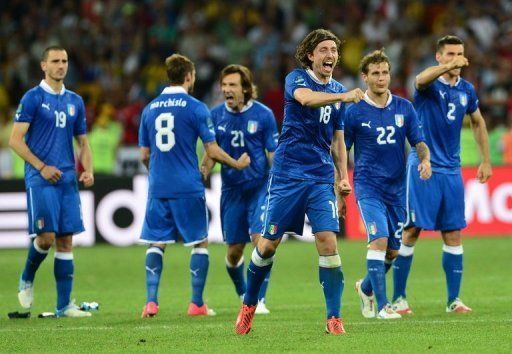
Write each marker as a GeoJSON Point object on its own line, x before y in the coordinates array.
{"type": "Point", "coordinates": [165, 130]}
{"type": "Point", "coordinates": [382, 139]}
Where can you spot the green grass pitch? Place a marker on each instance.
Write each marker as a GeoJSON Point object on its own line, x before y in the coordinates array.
{"type": "Point", "coordinates": [114, 277]}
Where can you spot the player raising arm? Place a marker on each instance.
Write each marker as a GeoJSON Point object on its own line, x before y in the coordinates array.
{"type": "Point", "coordinates": [442, 99]}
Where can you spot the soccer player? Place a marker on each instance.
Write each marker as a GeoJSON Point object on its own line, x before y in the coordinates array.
{"type": "Point", "coordinates": [442, 99]}
{"type": "Point", "coordinates": [169, 129]}
{"type": "Point", "coordinates": [311, 149]}
{"type": "Point", "coordinates": [47, 119]}
{"type": "Point", "coordinates": [377, 127]}
{"type": "Point", "coordinates": [243, 125]}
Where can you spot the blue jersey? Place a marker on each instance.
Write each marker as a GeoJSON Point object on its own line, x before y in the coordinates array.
{"type": "Point", "coordinates": [378, 134]}
{"type": "Point", "coordinates": [253, 130]}
{"type": "Point", "coordinates": [170, 126]}
{"type": "Point", "coordinates": [54, 119]}
{"type": "Point", "coordinates": [441, 109]}
{"type": "Point", "coordinates": [303, 150]}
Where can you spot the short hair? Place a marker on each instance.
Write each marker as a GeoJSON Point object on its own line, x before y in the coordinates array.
{"type": "Point", "coordinates": [448, 40]}
{"type": "Point", "coordinates": [375, 57]}
{"type": "Point", "coordinates": [309, 43]}
{"type": "Point", "coordinates": [178, 66]}
{"type": "Point", "coordinates": [44, 57]}
{"type": "Point", "coordinates": [248, 86]}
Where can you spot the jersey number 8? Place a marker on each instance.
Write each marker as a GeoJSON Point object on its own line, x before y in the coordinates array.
{"type": "Point", "coordinates": [165, 129]}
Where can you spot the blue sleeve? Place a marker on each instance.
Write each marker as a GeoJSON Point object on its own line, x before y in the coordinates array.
{"type": "Point", "coordinates": [204, 124]}
{"type": "Point", "coordinates": [473, 101]}
{"type": "Point", "coordinates": [340, 117]}
{"type": "Point", "coordinates": [80, 127]}
{"type": "Point", "coordinates": [271, 133]}
{"type": "Point", "coordinates": [295, 80]}
{"type": "Point", "coordinates": [143, 131]}
{"type": "Point", "coordinates": [427, 92]}
{"type": "Point", "coordinates": [27, 108]}
{"type": "Point", "coordinates": [413, 131]}
{"type": "Point", "coordinates": [349, 132]}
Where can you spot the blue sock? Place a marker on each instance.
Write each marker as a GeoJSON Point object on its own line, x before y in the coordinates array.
{"type": "Point", "coordinates": [263, 289]}
{"type": "Point", "coordinates": [401, 269]}
{"type": "Point", "coordinates": [452, 265]}
{"type": "Point", "coordinates": [331, 279]}
{"type": "Point", "coordinates": [199, 263]}
{"type": "Point", "coordinates": [35, 257]}
{"type": "Point", "coordinates": [236, 273]}
{"type": "Point", "coordinates": [63, 270]}
{"type": "Point", "coordinates": [257, 271]}
{"type": "Point", "coordinates": [366, 284]}
{"type": "Point", "coordinates": [377, 275]}
{"type": "Point", "coordinates": [154, 265]}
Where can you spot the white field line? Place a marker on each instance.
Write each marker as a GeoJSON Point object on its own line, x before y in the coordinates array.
{"type": "Point", "coordinates": [220, 325]}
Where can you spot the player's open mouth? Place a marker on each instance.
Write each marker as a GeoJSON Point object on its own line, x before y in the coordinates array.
{"type": "Point", "coordinates": [328, 65]}
{"type": "Point", "coordinates": [229, 98]}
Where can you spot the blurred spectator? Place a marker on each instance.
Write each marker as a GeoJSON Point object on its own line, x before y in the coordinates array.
{"type": "Point", "coordinates": [104, 139]}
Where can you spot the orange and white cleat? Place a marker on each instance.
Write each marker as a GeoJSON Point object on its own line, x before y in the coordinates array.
{"type": "Point", "coordinates": [457, 306]}
{"type": "Point", "coordinates": [334, 326]}
{"type": "Point", "coordinates": [194, 310]}
{"type": "Point", "coordinates": [401, 306]}
{"type": "Point", "coordinates": [150, 310]}
{"type": "Point", "coordinates": [244, 320]}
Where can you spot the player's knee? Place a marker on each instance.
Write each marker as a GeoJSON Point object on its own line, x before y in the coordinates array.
{"type": "Point", "coordinates": [45, 241]}
{"type": "Point", "coordinates": [267, 248]}
{"type": "Point", "coordinates": [203, 244]}
{"type": "Point", "coordinates": [64, 244]}
{"type": "Point", "coordinates": [410, 236]}
{"type": "Point", "coordinates": [235, 253]}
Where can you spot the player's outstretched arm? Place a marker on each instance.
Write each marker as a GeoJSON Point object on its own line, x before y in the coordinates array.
{"type": "Point", "coordinates": [424, 156]}
{"type": "Point", "coordinates": [85, 157]}
{"type": "Point", "coordinates": [427, 76]}
{"type": "Point", "coordinates": [215, 152]}
{"type": "Point", "coordinates": [480, 132]}
{"type": "Point", "coordinates": [207, 165]}
{"type": "Point", "coordinates": [19, 146]}
{"type": "Point", "coordinates": [310, 98]}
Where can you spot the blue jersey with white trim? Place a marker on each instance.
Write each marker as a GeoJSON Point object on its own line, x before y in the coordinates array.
{"type": "Point", "coordinates": [441, 109]}
{"type": "Point", "coordinates": [303, 149]}
{"type": "Point", "coordinates": [378, 135]}
{"type": "Point", "coordinates": [254, 131]}
{"type": "Point", "coordinates": [170, 126]}
{"type": "Point", "coordinates": [54, 119]}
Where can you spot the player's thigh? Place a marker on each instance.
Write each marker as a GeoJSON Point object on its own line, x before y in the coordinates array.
{"type": "Point", "coordinates": [159, 225]}
{"type": "Point", "coordinates": [286, 207]}
{"type": "Point", "coordinates": [451, 213]}
{"type": "Point", "coordinates": [256, 204]}
{"type": "Point", "coordinates": [423, 199]}
{"type": "Point", "coordinates": [396, 216]}
{"type": "Point", "coordinates": [233, 214]}
{"type": "Point", "coordinates": [374, 214]}
{"type": "Point", "coordinates": [191, 218]}
{"type": "Point", "coordinates": [43, 204]}
{"type": "Point", "coordinates": [71, 212]}
{"type": "Point", "coordinates": [322, 208]}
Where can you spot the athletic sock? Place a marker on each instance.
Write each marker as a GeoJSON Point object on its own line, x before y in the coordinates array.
{"type": "Point", "coordinates": [452, 265]}
{"type": "Point", "coordinates": [366, 284]}
{"type": "Point", "coordinates": [36, 256]}
{"type": "Point", "coordinates": [263, 289]}
{"type": "Point", "coordinates": [257, 271]}
{"type": "Point", "coordinates": [377, 275]}
{"type": "Point", "coordinates": [154, 266]}
{"type": "Point", "coordinates": [199, 263]}
{"type": "Point", "coordinates": [332, 282]}
{"type": "Point", "coordinates": [236, 273]}
{"type": "Point", "coordinates": [63, 270]}
{"type": "Point", "coordinates": [401, 269]}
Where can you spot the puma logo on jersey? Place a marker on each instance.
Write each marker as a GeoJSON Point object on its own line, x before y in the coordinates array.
{"type": "Point", "coordinates": [442, 93]}
{"type": "Point", "coordinates": [46, 105]}
{"type": "Point", "coordinates": [366, 124]}
{"type": "Point", "coordinates": [222, 128]}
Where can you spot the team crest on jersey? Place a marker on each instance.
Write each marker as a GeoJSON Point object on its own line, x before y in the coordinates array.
{"type": "Point", "coordinates": [272, 229]}
{"type": "Point", "coordinates": [337, 105]}
{"type": "Point", "coordinates": [71, 109]}
{"type": "Point", "coordinates": [372, 228]}
{"type": "Point", "coordinates": [399, 120]}
{"type": "Point", "coordinates": [40, 223]}
{"type": "Point", "coordinates": [463, 99]}
{"type": "Point", "coordinates": [252, 126]}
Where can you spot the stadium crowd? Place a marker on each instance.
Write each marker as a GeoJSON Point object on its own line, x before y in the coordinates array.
{"type": "Point", "coordinates": [117, 48]}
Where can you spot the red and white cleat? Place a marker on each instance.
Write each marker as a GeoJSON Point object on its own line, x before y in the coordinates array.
{"type": "Point", "coordinates": [401, 306]}
{"type": "Point", "coordinates": [243, 323]}
{"type": "Point", "coordinates": [194, 310]}
{"type": "Point", "coordinates": [150, 310]}
{"type": "Point", "coordinates": [334, 326]}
